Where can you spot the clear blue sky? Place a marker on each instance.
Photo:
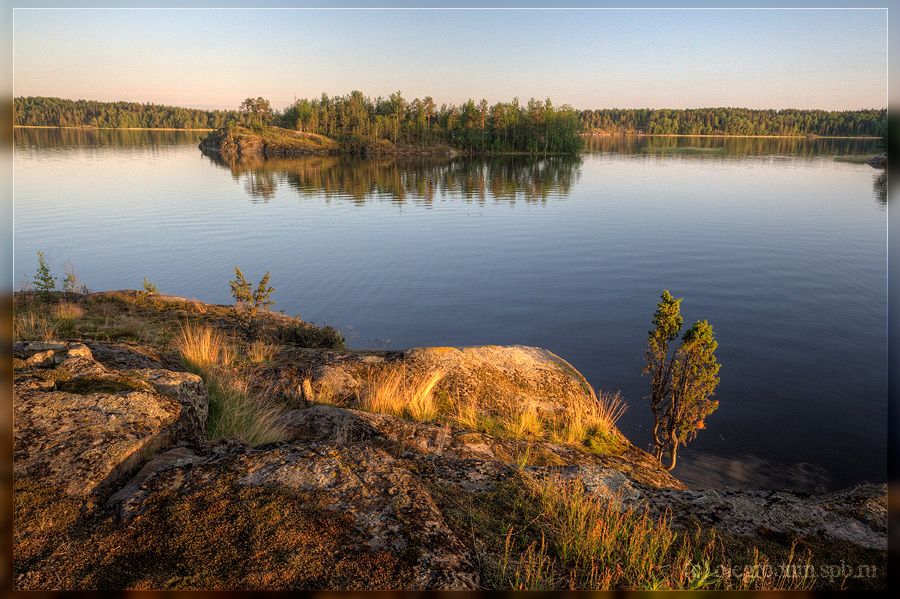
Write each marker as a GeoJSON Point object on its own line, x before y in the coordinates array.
{"type": "Point", "coordinates": [806, 58]}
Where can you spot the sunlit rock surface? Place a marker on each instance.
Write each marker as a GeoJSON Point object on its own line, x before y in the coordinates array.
{"type": "Point", "coordinates": [348, 492]}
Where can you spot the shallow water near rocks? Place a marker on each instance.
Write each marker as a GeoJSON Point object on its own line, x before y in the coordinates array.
{"type": "Point", "coordinates": [774, 242]}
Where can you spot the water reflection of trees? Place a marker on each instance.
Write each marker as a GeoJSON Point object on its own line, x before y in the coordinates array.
{"type": "Point", "coordinates": [880, 187]}
{"type": "Point", "coordinates": [403, 179]}
{"type": "Point", "coordinates": [80, 138]}
{"type": "Point", "coordinates": [734, 146]}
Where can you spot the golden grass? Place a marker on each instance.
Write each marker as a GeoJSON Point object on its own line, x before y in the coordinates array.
{"type": "Point", "coordinates": [584, 417]}
{"type": "Point", "coordinates": [261, 351]}
{"type": "Point", "coordinates": [66, 311]}
{"type": "Point", "coordinates": [33, 327]}
{"type": "Point", "coordinates": [597, 543]}
{"type": "Point", "coordinates": [202, 349]}
{"type": "Point", "coordinates": [234, 410]}
{"type": "Point", "coordinates": [127, 325]}
{"type": "Point", "coordinates": [465, 414]}
{"type": "Point", "coordinates": [528, 422]}
{"type": "Point", "coordinates": [391, 391]}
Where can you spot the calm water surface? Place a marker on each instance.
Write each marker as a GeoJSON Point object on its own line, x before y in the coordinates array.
{"type": "Point", "coordinates": [774, 242]}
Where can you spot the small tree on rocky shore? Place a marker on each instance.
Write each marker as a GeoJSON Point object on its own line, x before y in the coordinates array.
{"type": "Point", "coordinates": [251, 300]}
{"type": "Point", "coordinates": [44, 282]}
{"type": "Point", "coordinates": [682, 382]}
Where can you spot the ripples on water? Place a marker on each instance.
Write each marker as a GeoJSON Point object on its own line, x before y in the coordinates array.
{"type": "Point", "coordinates": [778, 245]}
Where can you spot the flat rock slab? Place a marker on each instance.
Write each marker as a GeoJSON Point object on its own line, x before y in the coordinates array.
{"type": "Point", "coordinates": [387, 503]}
{"type": "Point", "coordinates": [81, 426]}
{"type": "Point", "coordinates": [857, 515]}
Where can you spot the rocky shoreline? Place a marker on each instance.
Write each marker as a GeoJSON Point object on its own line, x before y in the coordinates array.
{"type": "Point", "coordinates": [119, 485]}
{"type": "Point", "coordinates": [242, 144]}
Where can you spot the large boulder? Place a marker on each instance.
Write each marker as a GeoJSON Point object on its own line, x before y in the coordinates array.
{"type": "Point", "coordinates": [495, 379]}
{"type": "Point", "coordinates": [82, 426]}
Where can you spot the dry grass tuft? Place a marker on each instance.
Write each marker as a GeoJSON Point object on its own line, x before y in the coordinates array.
{"type": "Point", "coordinates": [66, 311]}
{"type": "Point", "coordinates": [33, 327]}
{"type": "Point", "coordinates": [127, 325]}
{"type": "Point", "coordinates": [261, 351]}
{"type": "Point", "coordinates": [202, 349]}
{"type": "Point", "coordinates": [585, 417]}
{"type": "Point", "coordinates": [393, 392]}
{"type": "Point", "coordinates": [465, 414]}
{"type": "Point", "coordinates": [528, 422]}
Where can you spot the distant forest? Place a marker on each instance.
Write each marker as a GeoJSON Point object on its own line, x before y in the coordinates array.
{"type": "Point", "coordinates": [533, 126]}
{"type": "Point", "coordinates": [56, 112]}
{"type": "Point", "coordinates": [736, 121]}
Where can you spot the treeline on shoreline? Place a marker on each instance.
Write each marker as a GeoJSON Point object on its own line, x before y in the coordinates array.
{"type": "Point", "coordinates": [535, 126]}
{"type": "Point", "coordinates": [737, 121]}
{"type": "Point", "coordinates": [39, 111]}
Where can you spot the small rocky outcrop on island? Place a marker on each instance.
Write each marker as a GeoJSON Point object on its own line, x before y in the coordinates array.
{"type": "Point", "coordinates": [241, 144]}
{"type": "Point", "coordinates": [878, 161]}
{"type": "Point", "coordinates": [117, 485]}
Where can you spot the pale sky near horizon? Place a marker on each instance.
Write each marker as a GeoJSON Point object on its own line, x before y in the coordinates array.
{"type": "Point", "coordinates": [805, 58]}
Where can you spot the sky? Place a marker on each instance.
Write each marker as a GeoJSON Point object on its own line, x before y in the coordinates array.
{"type": "Point", "coordinates": [833, 59]}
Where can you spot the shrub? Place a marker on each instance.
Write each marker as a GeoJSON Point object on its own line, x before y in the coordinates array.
{"type": "Point", "coordinates": [71, 284]}
{"type": "Point", "coordinates": [307, 335]}
{"type": "Point", "coordinates": [44, 282]}
{"type": "Point", "coordinates": [150, 287]}
{"type": "Point", "coordinates": [251, 301]}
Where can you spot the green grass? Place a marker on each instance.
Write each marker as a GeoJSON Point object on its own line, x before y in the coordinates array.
{"type": "Point", "coordinates": [552, 535]}
{"type": "Point", "coordinates": [235, 411]}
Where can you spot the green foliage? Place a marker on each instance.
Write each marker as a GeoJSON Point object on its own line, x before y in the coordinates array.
{"type": "Point", "coordinates": [240, 288]}
{"type": "Point", "coordinates": [57, 112]}
{"type": "Point", "coordinates": [363, 124]}
{"type": "Point", "coordinates": [263, 292]}
{"type": "Point", "coordinates": [150, 287]}
{"type": "Point", "coordinates": [307, 335]}
{"type": "Point", "coordinates": [501, 127]}
{"type": "Point", "coordinates": [44, 282]}
{"type": "Point", "coordinates": [71, 284]}
{"type": "Point", "coordinates": [259, 112]}
{"type": "Point", "coordinates": [247, 298]}
{"type": "Point", "coordinates": [683, 381]}
{"type": "Point", "coordinates": [735, 121]}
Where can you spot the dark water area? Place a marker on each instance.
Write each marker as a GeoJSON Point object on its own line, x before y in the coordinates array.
{"type": "Point", "coordinates": [781, 244]}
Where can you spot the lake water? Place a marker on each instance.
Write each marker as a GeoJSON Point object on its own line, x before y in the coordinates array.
{"type": "Point", "coordinates": [774, 242]}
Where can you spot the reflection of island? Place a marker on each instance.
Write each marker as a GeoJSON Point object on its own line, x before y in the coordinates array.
{"type": "Point", "coordinates": [402, 179]}
{"type": "Point", "coordinates": [77, 139]}
{"type": "Point", "coordinates": [729, 146]}
{"type": "Point", "coordinates": [879, 186]}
